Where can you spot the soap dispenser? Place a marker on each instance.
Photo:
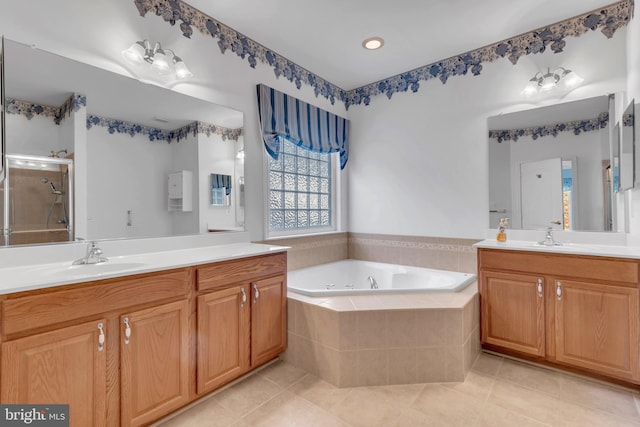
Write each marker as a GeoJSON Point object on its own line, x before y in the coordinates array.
{"type": "Point", "coordinates": [502, 230]}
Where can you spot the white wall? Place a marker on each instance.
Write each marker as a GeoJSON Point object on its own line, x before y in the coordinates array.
{"type": "Point", "coordinates": [184, 156]}
{"type": "Point", "coordinates": [127, 173]}
{"type": "Point", "coordinates": [418, 162]}
{"type": "Point", "coordinates": [36, 136]}
{"type": "Point", "coordinates": [633, 92]}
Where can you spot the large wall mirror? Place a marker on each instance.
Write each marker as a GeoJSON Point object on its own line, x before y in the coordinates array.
{"type": "Point", "coordinates": [123, 139]}
{"type": "Point", "coordinates": [551, 167]}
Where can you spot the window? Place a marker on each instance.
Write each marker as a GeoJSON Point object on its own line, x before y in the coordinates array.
{"type": "Point", "coordinates": [301, 189]}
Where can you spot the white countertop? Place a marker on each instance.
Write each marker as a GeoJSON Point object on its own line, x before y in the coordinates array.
{"type": "Point", "coordinates": [564, 248]}
{"type": "Point", "coordinates": [39, 276]}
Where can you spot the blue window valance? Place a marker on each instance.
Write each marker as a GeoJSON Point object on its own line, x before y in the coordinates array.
{"type": "Point", "coordinates": [285, 117]}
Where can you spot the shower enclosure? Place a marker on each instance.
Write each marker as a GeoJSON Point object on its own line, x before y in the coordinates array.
{"type": "Point", "coordinates": [37, 200]}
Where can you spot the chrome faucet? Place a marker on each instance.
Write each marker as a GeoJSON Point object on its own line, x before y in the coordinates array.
{"type": "Point", "coordinates": [548, 238]}
{"type": "Point", "coordinates": [93, 256]}
{"type": "Point", "coordinates": [372, 282]}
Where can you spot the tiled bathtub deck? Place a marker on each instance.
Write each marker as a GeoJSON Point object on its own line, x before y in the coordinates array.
{"type": "Point", "coordinates": [367, 340]}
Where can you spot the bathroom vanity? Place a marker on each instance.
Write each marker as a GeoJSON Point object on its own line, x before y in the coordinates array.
{"type": "Point", "coordinates": [129, 350]}
{"type": "Point", "coordinates": [563, 306]}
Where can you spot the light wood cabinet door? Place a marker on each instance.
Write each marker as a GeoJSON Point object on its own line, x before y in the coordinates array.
{"type": "Point", "coordinates": [154, 362]}
{"type": "Point", "coordinates": [223, 337]}
{"type": "Point", "coordinates": [597, 327]}
{"type": "Point", "coordinates": [268, 319]}
{"type": "Point", "coordinates": [512, 310]}
{"type": "Point", "coordinates": [64, 366]}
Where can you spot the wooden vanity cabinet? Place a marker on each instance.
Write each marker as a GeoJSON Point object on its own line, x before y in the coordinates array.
{"type": "Point", "coordinates": [568, 310]}
{"type": "Point", "coordinates": [241, 318]}
{"type": "Point", "coordinates": [129, 351]}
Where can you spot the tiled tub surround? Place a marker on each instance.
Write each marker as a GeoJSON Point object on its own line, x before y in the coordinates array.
{"type": "Point", "coordinates": [418, 251]}
{"type": "Point", "coordinates": [365, 340]}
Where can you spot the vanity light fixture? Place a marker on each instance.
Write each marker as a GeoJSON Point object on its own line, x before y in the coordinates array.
{"type": "Point", "coordinates": [143, 51]}
{"type": "Point", "coordinates": [541, 83]}
{"type": "Point", "coordinates": [373, 43]}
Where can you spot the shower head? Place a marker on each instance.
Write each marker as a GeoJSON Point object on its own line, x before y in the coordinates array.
{"type": "Point", "coordinates": [44, 180]}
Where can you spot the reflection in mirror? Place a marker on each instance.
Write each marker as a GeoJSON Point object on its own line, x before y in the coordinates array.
{"type": "Point", "coordinates": [615, 155]}
{"type": "Point", "coordinates": [124, 138]}
{"type": "Point", "coordinates": [626, 149]}
{"type": "Point", "coordinates": [548, 167]}
{"type": "Point", "coordinates": [220, 189]}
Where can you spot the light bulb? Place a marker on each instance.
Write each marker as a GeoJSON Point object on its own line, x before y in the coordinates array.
{"type": "Point", "coordinates": [181, 69]}
{"type": "Point", "coordinates": [531, 88]}
{"type": "Point", "coordinates": [135, 53]}
{"type": "Point", "coordinates": [572, 80]}
{"type": "Point", "coordinates": [160, 63]}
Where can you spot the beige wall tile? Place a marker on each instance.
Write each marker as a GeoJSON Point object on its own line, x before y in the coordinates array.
{"type": "Point", "coordinates": [289, 355]}
{"type": "Point", "coordinates": [348, 334]}
{"type": "Point", "coordinates": [328, 327]}
{"type": "Point", "coordinates": [431, 364]}
{"type": "Point", "coordinates": [455, 363]}
{"type": "Point", "coordinates": [468, 263]}
{"type": "Point", "coordinates": [402, 366]}
{"type": "Point", "coordinates": [448, 260]}
{"type": "Point", "coordinates": [454, 327]}
{"type": "Point", "coordinates": [328, 364]}
{"type": "Point", "coordinates": [372, 367]}
{"type": "Point", "coordinates": [468, 319]}
{"type": "Point", "coordinates": [371, 329]}
{"type": "Point", "coordinates": [431, 328]}
{"type": "Point", "coordinates": [306, 356]}
{"type": "Point", "coordinates": [348, 368]}
{"type": "Point", "coordinates": [401, 326]}
{"type": "Point", "coordinates": [306, 322]}
{"type": "Point", "coordinates": [291, 314]}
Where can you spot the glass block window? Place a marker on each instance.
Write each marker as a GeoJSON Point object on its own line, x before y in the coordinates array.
{"type": "Point", "coordinates": [300, 190]}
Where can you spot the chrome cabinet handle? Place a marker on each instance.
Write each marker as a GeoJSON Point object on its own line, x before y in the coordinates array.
{"type": "Point", "coordinates": [256, 294]}
{"type": "Point", "coordinates": [539, 288]}
{"type": "Point", "coordinates": [244, 297]}
{"type": "Point", "coordinates": [127, 330]}
{"type": "Point", "coordinates": [559, 290]}
{"type": "Point", "coordinates": [101, 337]}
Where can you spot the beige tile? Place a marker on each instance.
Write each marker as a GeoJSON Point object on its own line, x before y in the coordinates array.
{"type": "Point", "coordinates": [348, 368]}
{"type": "Point", "coordinates": [468, 263]}
{"type": "Point", "coordinates": [533, 377]}
{"type": "Point", "coordinates": [401, 325]}
{"type": "Point", "coordinates": [375, 406]}
{"type": "Point", "coordinates": [431, 364]}
{"type": "Point", "coordinates": [328, 364]}
{"type": "Point", "coordinates": [579, 416]}
{"type": "Point", "coordinates": [455, 363]}
{"type": "Point", "coordinates": [468, 319]}
{"type": "Point", "coordinates": [328, 331]}
{"type": "Point", "coordinates": [430, 328]}
{"type": "Point", "coordinates": [471, 352]}
{"type": "Point", "coordinates": [306, 356]}
{"type": "Point", "coordinates": [453, 324]}
{"type": "Point", "coordinates": [526, 402]}
{"type": "Point", "coordinates": [306, 322]}
{"type": "Point", "coordinates": [599, 396]}
{"type": "Point", "coordinates": [348, 333]}
{"type": "Point", "coordinates": [291, 314]}
{"type": "Point", "coordinates": [495, 416]}
{"type": "Point", "coordinates": [487, 364]}
{"type": "Point", "coordinates": [446, 407]}
{"type": "Point", "coordinates": [287, 409]}
{"type": "Point", "coordinates": [319, 392]}
{"type": "Point", "coordinates": [247, 395]}
{"type": "Point", "coordinates": [283, 374]}
{"type": "Point", "coordinates": [371, 329]}
{"type": "Point", "coordinates": [448, 260]}
{"type": "Point", "coordinates": [475, 385]}
{"type": "Point", "coordinates": [402, 366]}
{"type": "Point", "coordinates": [372, 367]}
{"type": "Point", "coordinates": [207, 412]}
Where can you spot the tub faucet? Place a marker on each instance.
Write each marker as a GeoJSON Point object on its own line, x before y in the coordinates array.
{"type": "Point", "coordinates": [372, 281]}
{"type": "Point", "coordinates": [93, 256]}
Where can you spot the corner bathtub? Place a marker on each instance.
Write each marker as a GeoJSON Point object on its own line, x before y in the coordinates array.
{"type": "Point", "coordinates": [351, 277]}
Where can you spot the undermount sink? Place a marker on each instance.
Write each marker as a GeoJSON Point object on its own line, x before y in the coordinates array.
{"type": "Point", "coordinates": [91, 270]}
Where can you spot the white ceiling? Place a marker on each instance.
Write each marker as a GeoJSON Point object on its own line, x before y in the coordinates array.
{"type": "Point", "coordinates": [325, 36]}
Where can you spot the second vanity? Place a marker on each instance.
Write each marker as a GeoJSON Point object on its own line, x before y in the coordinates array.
{"type": "Point", "coordinates": [574, 307]}
{"type": "Point", "coordinates": [132, 346]}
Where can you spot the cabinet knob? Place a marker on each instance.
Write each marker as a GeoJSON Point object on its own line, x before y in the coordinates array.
{"type": "Point", "coordinates": [244, 297]}
{"type": "Point", "coordinates": [540, 288]}
{"type": "Point", "coordinates": [256, 294]}
{"type": "Point", "coordinates": [559, 290]}
{"type": "Point", "coordinates": [100, 336]}
{"type": "Point", "coordinates": [127, 330]}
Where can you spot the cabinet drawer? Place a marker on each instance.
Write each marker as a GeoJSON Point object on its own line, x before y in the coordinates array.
{"type": "Point", "coordinates": [44, 309]}
{"type": "Point", "coordinates": [588, 267]}
{"type": "Point", "coordinates": [241, 270]}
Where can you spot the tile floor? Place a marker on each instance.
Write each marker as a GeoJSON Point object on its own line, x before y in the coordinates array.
{"type": "Point", "coordinates": [497, 392]}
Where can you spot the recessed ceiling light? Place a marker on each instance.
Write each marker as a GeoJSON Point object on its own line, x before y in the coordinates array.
{"type": "Point", "coordinates": [373, 43]}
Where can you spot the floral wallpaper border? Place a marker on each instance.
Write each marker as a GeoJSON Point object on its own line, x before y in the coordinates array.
{"type": "Point", "coordinates": [577, 127]}
{"type": "Point", "coordinates": [57, 114]}
{"type": "Point", "coordinates": [607, 19]}
{"type": "Point", "coordinates": [155, 134]}
{"type": "Point", "coordinates": [628, 119]}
